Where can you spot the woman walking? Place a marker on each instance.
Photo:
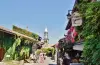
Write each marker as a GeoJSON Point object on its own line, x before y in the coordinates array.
{"type": "Point", "coordinates": [41, 57]}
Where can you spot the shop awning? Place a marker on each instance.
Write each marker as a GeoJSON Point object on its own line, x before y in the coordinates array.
{"type": "Point", "coordinates": [78, 47]}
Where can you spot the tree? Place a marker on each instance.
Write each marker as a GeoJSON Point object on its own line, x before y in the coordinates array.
{"type": "Point", "coordinates": [90, 12]}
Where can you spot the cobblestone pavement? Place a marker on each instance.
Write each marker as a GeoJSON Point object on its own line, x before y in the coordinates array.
{"type": "Point", "coordinates": [47, 62]}
{"type": "Point", "coordinates": [35, 64]}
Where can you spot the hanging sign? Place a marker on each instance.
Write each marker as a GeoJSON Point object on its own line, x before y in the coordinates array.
{"type": "Point", "coordinates": [76, 19]}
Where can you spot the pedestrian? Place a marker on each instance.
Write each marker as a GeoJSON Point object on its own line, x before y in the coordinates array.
{"type": "Point", "coordinates": [66, 59]}
{"type": "Point", "coordinates": [41, 57]}
{"type": "Point", "coordinates": [44, 56]}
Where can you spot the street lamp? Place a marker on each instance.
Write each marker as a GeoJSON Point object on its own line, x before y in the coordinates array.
{"type": "Point", "coordinates": [69, 15]}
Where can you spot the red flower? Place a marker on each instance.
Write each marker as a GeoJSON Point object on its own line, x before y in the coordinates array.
{"type": "Point", "coordinates": [71, 34]}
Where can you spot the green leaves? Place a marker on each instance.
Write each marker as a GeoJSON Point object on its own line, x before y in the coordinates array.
{"type": "Point", "coordinates": [24, 51]}
{"type": "Point", "coordinates": [46, 50]}
{"type": "Point", "coordinates": [90, 30]}
{"type": "Point", "coordinates": [25, 32]}
{"type": "Point", "coordinates": [98, 46]}
{"type": "Point", "coordinates": [11, 51]}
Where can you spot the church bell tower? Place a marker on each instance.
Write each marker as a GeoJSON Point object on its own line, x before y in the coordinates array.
{"type": "Point", "coordinates": [46, 40]}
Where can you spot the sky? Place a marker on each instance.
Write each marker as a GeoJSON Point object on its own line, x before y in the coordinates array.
{"type": "Point", "coordinates": [37, 14]}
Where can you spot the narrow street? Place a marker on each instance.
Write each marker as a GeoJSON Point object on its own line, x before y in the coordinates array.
{"type": "Point", "coordinates": [49, 32]}
{"type": "Point", "coordinates": [48, 61]}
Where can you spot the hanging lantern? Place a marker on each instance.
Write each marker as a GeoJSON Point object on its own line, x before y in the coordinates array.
{"type": "Point", "coordinates": [68, 16]}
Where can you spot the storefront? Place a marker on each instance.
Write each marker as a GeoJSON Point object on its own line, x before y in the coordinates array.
{"type": "Point", "coordinates": [12, 44]}
{"type": "Point", "coordinates": [6, 41]}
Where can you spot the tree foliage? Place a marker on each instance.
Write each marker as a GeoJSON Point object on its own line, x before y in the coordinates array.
{"type": "Point", "coordinates": [46, 50]}
{"type": "Point", "coordinates": [90, 12]}
{"type": "Point", "coordinates": [11, 50]}
{"type": "Point", "coordinates": [25, 32]}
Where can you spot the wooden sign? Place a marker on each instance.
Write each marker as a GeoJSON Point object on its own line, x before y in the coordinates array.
{"type": "Point", "coordinates": [76, 19]}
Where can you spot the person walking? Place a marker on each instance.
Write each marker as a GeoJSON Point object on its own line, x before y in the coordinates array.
{"type": "Point", "coordinates": [66, 59]}
{"type": "Point", "coordinates": [41, 57]}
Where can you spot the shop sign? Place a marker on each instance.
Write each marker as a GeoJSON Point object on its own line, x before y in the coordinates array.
{"type": "Point", "coordinates": [76, 19]}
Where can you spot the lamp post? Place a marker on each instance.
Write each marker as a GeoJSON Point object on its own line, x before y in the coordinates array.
{"type": "Point", "coordinates": [69, 14]}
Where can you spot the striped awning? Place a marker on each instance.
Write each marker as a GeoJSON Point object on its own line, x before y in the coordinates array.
{"type": "Point", "coordinates": [78, 47]}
